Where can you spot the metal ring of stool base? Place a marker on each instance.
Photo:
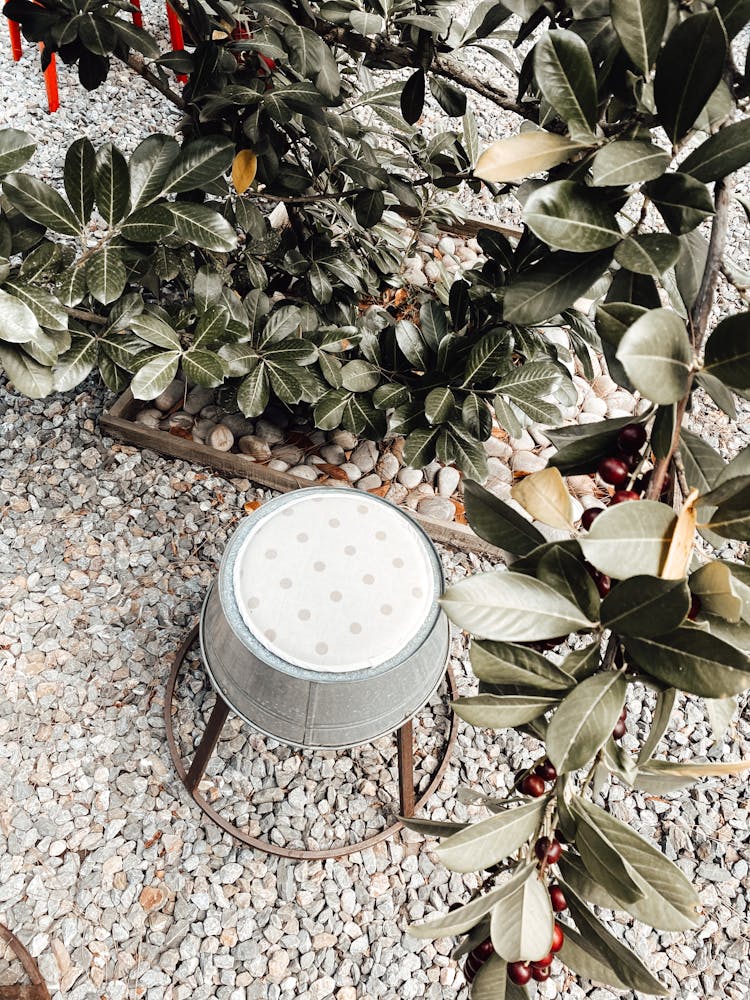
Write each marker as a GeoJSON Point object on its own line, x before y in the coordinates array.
{"type": "Point", "coordinates": [191, 777]}
{"type": "Point", "coordinates": [37, 988]}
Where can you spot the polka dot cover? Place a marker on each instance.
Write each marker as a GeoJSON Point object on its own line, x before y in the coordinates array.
{"type": "Point", "coordinates": [334, 583]}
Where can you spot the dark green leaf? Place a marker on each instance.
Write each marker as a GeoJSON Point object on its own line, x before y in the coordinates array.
{"type": "Point", "coordinates": [735, 14]}
{"type": "Point", "coordinates": [690, 266]}
{"type": "Point", "coordinates": [202, 226]}
{"type": "Point", "coordinates": [721, 154]}
{"type": "Point", "coordinates": [16, 147]}
{"type": "Point", "coordinates": [450, 98]}
{"type": "Point", "coordinates": [498, 523]}
{"type": "Point", "coordinates": [650, 253]}
{"type": "Point", "coordinates": [570, 216]}
{"type": "Point", "coordinates": [149, 167]}
{"type": "Point", "coordinates": [581, 446]}
{"type": "Point", "coordinates": [111, 184]}
{"type": "Point", "coordinates": [254, 392]}
{"type": "Point", "coordinates": [630, 539]}
{"type": "Point", "coordinates": [106, 278]}
{"type": "Point", "coordinates": [683, 201]}
{"type": "Point", "coordinates": [584, 721]}
{"type": "Point", "coordinates": [551, 285]}
{"type": "Point", "coordinates": [80, 164]}
{"type": "Point", "coordinates": [420, 447]}
{"type": "Point", "coordinates": [506, 663]}
{"type": "Point", "coordinates": [198, 163]}
{"type": "Point", "coordinates": [41, 203]}
{"type": "Point", "coordinates": [640, 25]}
{"type": "Point", "coordinates": [728, 351]}
{"type": "Point", "coordinates": [563, 571]}
{"type": "Point", "coordinates": [203, 368]}
{"type": "Point", "coordinates": [646, 606]}
{"type": "Point", "coordinates": [154, 377]}
{"type": "Point", "coordinates": [628, 161]}
{"type": "Point", "coordinates": [565, 74]}
{"type": "Point", "coordinates": [657, 356]}
{"type": "Point", "coordinates": [412, 97]}
{"type": "Point", "coordinates": [693, 660]}
{"type": "Point", "coordinates": [581, 955]}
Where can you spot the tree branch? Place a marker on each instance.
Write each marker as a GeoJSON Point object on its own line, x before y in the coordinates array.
{"type": "Point", "coordinates": [453, 70]}
{"type": "Point", "coordinates": [137, 64]}
{"type": "Point", "coordinates": [697, 323]}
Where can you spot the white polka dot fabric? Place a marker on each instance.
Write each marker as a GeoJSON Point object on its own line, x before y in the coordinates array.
{"type": "Point", "coordinates": [334, 582]}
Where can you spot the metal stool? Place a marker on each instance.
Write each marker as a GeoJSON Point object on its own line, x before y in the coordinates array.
{"type": "Point", "coordinates": [322, 631]}
{"type": "Point", "coordinates": [36, 989]}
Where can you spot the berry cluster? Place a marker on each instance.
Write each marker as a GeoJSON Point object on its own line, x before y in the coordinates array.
{"type": "Point", "coordinates": [535, 784]}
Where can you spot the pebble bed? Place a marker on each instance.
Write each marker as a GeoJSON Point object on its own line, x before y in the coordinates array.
{"type": "Point", "coordinates": [106, 871]}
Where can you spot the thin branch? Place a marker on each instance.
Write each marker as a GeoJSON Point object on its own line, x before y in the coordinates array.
{"type": "Point", "coordinates": [137, 64]}
{"type": "Point", "coordinates": [453, 70]}
{"type": "Point", "coordinates": [88, 317]}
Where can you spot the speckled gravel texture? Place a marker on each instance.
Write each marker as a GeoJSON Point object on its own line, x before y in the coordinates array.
{"type": "Point", "coordinates": [107, 872]}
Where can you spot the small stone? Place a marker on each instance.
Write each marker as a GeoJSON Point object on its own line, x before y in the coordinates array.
{"type": "Point", "coordinates": [432, 271]}
{"type": "Point", "coordinates": [388, 466]}
{"type": "Point", "coordinates": [220, 438]}
{"type": "Point", "coordinates": [527, 462]}
{"type": "Point", "coordinates": [345, 439]}
{"type": "Point", "coordinates": [278, 963]}
{"type": "Point", "coordinates": [172, 395]}
{"type": "Point", "coordinates": [447, 245]}
{"type": "Point", "coordinates": [269, 432]}
{"type": "Point", "coordinates": [603, 386]}
{"type": "Point", "coordinates": [496, 448]}
{"type": "Point", "coordinates": [413, 276]}
{"type": "Point", "coordinates": [371, 482]}
{"type": "Point", "coordinates": [255, 447]}
{"type": "Point", "coordinates": [499, 470]}
{"type": "Point", "coordinates": [288, 453]}
{"type": "Point", "coordinates": [214, 413]}
{"type": "Point", "coordinates": [201, 428]}
{"type": "Point", "coordinates": [334, 454]}
{"type": "Point", "coordinates": [180, 419]}
{"type": "Point", "coordinates": [438, 507]}
{"type": "Point", "coordinates": [593, 404]}
{"type": "Point", "coordinates": [197, 398]}
{"type": "Point", "coordinates": [152, 897]}
{"type": "Point", "coordinates": [447, 481]}
{"type": "Point", "coordinates": [365, 455]}
{"type": "Point", "coordinates": [238, 424]}
{"type": "Point", "coordinates": [353, 472]}
{"type": "Point", "coordinates": [523, 443]}
{"type": "Point", "coordinates": [430, 472]}
{"type": "Point", "coordinates": [149, 417]}
{"type": "Point", "coordinates": [304, 472]}
{"type": "Point", "coordinates": [410, 478]}
{"type": "Point", "coordinates": [397, 493]}
{"type": "Point", "coordinates": [277, 465]}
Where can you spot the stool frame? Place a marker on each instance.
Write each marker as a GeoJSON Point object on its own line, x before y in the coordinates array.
{"type": "Point", "coordinates": [192, 774]}
{"type": "Point", "coordinates": [37, 988]}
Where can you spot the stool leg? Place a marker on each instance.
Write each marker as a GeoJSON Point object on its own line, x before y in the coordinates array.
{"type": "Point", "coordinates": [176, 38]}
{"type": "Point", "coordinates": [207, 744]}
{"type": "Point", "coordinates": [50, 83]}
{"type": "Point", "coordinates": [15, 40]}
{"type": "Point", "coordinates": [137, 16]}
{"type": "Point", "coordinates": [406, 768]}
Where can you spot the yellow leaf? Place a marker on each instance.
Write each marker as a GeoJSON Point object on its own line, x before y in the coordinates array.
{"type": "Point", "coordinates": [525, 154]}
{"type": "Point", "coordinates": [243, 170]}
{"type": "Point", "coordinates": [545, 496]}
{"type": "Point", "coordinates": [683, 540]}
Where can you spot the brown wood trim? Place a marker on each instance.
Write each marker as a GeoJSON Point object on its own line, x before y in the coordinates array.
{"type": "Point", "coordinates": [118, 422]}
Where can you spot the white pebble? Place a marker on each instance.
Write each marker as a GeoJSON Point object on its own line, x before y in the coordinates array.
{"type": "Point", "coordinates": [220, 438]}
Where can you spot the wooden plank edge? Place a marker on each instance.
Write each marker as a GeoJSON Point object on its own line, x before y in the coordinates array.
{"type": "Point", "coordinates": [232, 465]}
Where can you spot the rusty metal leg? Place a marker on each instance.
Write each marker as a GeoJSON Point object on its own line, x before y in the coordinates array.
{"type": "Point", "coordinates": [406, 768]}
{"type": "Point", "coordinates": [207, 744]}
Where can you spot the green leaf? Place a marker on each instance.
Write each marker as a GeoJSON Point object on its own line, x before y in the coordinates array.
{"type": "Point", "coordinates": [721, 154]}
{"type": "Point", "coordinates": [41, 203]}
{"type": "Point", "coordinates": [690, 266]}
{"type": "Point", "coordinates": [254, 392]}
{"type": "Point", "coordinates": [660, 776]}
{"type": "Point", "coordinates": [155, 330]}
{"type": "Point", "coordinates": [683, 201]}
{"type": "Point", "coordinates": [732, 519]}
{"type": "Point", "coordinates": [154, 377]}
{"type": "Point", "coordinates": [570, 216]}
{"type": "Point", "coordinates": [106, 276]}
{"type": "Point", "coordinates": [488, 355]}
{"type": "Point", "coordinates": [493, 711]}
{"type": "Point", "coordinates": [491, 980]}
{"type": "Point", "coordinates": [728, 351]}
{"type": "Point", "coordinates": [720, 713]}
{"type": "Point", "coordinates": [585, 720]}
{"type": "Point", "coordinates": [628, 161]}
{"type": "Point", "coordinates": [111, 184]}
{"type": "Point", "coordinates": [463, 918]}
{"type": "Point", "coordinates": [412, 97]}
{"type": "Point", "coordinates": [688, 71]}
{"type": "Point", "coordinates": [329, 410]}
{"type": "Point", "coordinates": [498, 523]}
{"type": "Point", "coordinates": [80, 164]}
{"type": "Point", "coordinates": [439, 405]}
{"type": "Point", "coordinates": [581, 446]}
{"type": "Point", "coordinates": [76, 363]}
{"type": "Point", "coordinates": [581, 955]}
{"type": "Point", "coordinates": [565, 74]}
{"type": "Point", "coordinates": [149, 167]}
{"type": "Point", "coordinates": [481, 845]}
{"type": "Point", "coordinates": [657, 356]}
{"type": "Point", "coordinates": [659, 723]}
{"type": "Point", "coordinates": [198, 163]}
{"type": "Point", "coordinates": [525, 154]}
{"type": "Point", "coordinates": [693, 660]}
{"type": "Point", "coordinates": [582, 663]}
{"type": "Point", "coordinates": [135, 38]}
{"type": "Point", "coordinates": [565, 572]}
{"type": "Point", "coordinates": [16, 147]}
{"type": "Point", "coordinates": [551, 285]}
{"type": "Point", "coordinates": [668, 900]}
{"type": "Point", "coordinates": [627, 966]}
{"type": "Point", "coordinates": [504, 663]}
{"type": "Point", "coordinates": [369, 207]}
{"type": "Point", "coordinates": [148, 224]}
{"type": "Point", "coordinates": [713, 583]}
{"type": "Point", "coordinates": [640, 25]}
{"type": "Point", "coordinates": [211, 325]}
{"type": "Point", "coordinates": [530, 381]}
{"type": "Point", "coordinates": [650, 253]}
{"type": "Point", "coordinates": [432, 828]}
{"type": "Point", "coordinates": [511, 607]}
{"type": "Point", "coordinates": [360, 376]}
{"type": "Point", "coordinates": [646, 606]}
{"type": "Point", "coordinates": [630, 539]}
{"type": "Point", "coordinates": [48, 312]}
{"type": "Point", "coordinates": [735, 14]}
{"type": "Point", "coordinates": [203, 226]}
{"type": "Point", "coordinates": [28, 377]}
{"type": "Point", "coordinates": [203, 368]}
{"type": "Point", "coordinates": [451, 99]}
{"type": "Point", "coordinates": [522, 919]}
{"type": "Point", "coordinates": [412, 344]}
{"type": "Point", "coordinates": [420, 447]}
{"type": "Point", "coordinates": [18, 324]}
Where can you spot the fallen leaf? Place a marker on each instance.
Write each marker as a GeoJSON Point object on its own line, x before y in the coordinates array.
{"type": "Point", "coordinates": [244, 168]}
{"type": "Point", "coordinates": [460, 512]}
{"type": "Point", "coordinates": [181, 432]}
{"type": "Point", "coordinates": [251, 505]}
{"type": "Point", "coordinates": [334, 471]}
{"type": "Point", "coordinates": [380, 491]}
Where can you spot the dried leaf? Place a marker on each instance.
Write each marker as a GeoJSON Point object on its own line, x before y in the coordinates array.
{"type": "Point", "coordinates": [334, 471]}
{"type": "Point", "coordinates": [244, 169]}
{"type": "Point", "coordinates": [683, 540]}
{"type": "Point", "coordinates": [545, 496]}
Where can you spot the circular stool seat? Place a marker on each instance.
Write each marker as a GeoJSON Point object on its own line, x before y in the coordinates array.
{"type": "Point", "coordinates": [323, 629]}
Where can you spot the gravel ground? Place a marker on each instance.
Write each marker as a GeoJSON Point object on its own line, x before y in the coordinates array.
{"type": "Point", "coordinates": [106, 871]}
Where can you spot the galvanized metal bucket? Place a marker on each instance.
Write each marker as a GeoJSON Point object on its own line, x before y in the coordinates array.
{"type": "Point", "coordinates": [366, 679]}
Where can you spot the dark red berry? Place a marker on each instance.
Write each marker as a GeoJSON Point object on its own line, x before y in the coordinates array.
{"type": "Point", "coordinates": [547, 850]}
{"type": "Point", "coordinates": [472, 965]}
{"type": "Point", "coordinates": [484, 950]}
{"type": "Point", "coordinates": [546, 771]}
{"type": "Point", "coordinates": [557, 938]}
{"type": "Point", "coordinates": [622, 496]}
{"type": "Point", "coordinates": [543, 963]}
{"type": "Point", "coordinates": [603, 584]}
{"type": "Point", "coordinates": [558, 900]}
{"type": "Point", "coordinates": [469, 975]}
{"type": "Point", "coordinates": [532, 785]}
{"type": "Point", "coordinates": [631, 438]}
{"type": "Point", "coordinates": [589, 516]}
{"type": "Point", "coordinates": [613, 470]}
{"type": "Point", "coordinates": [519, 973]}
{"type": "Point", "coordinates": [666, 485]}
{"type": "Point", "coordinates": [624, 713]}
{"type": "Point", "coordinates": [695, 607]}
{"type": "Point", "coordinates": [620, 729]}
{"type": "Point", "coordinates": [540, 975]}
